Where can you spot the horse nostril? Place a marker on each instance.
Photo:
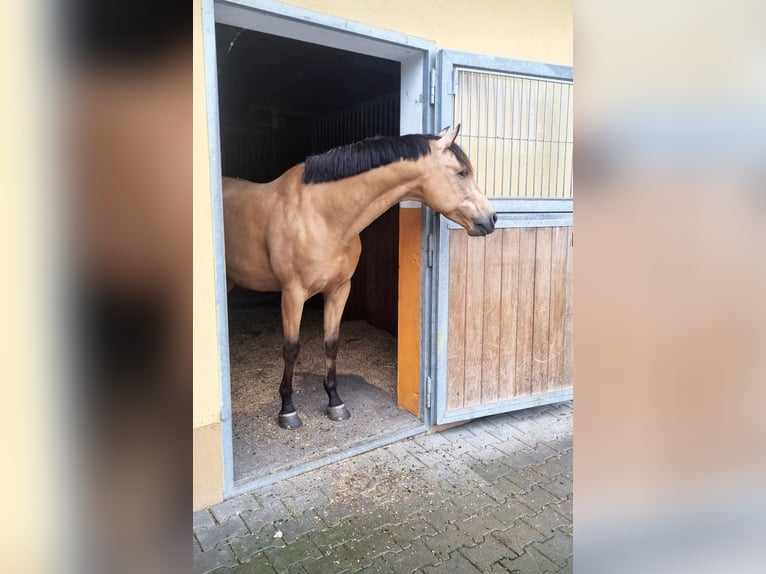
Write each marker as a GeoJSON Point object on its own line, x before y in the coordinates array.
{"type": "Point", "coordinates": [494, 218]}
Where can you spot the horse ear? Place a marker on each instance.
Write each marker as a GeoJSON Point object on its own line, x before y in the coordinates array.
{"type": "Point", "coordinates": [447, 136]}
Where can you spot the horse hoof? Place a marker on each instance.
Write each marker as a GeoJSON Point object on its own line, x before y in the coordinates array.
{"type": "Point", "coordinates": [339, 413]}
{"type": "Point", "coordinates": [289, 421]}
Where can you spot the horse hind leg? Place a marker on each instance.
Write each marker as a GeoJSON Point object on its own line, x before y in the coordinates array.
{"type": "Point", "coordinates": [334, 302]}
{"type": "Point", "coordinates": [292, 309]}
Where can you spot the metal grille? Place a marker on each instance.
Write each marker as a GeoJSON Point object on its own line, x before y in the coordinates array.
{"type": "Point", "coordinates": [375, 118]}
{"type": "Point", "coordinates": [247, 152]}
{"type": "Point", "coordinates": [517, 131]}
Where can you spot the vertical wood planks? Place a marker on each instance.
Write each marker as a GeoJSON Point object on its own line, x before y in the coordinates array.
{"type": "Point", "coordinates": [510, 319]}
{"type": "Point", "coordinates": [458, 246]}
{"type": "Point", "coordinates": [541, 324]}
{"type": "Point", "coordinates": [474, 318]}
{"type": "Point", "coordinates": [509, 310]}
{"type": "Point", "coordinates": [567, 369]}
{"type": "Point", "coordinates": [493, 263]}
{"type": "Point", "coordinates": [556, 349]}
{"type": "Point", "coordinates": [524, 332]}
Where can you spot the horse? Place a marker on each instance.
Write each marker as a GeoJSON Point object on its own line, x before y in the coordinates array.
{"type": "Point", "coordinates": [299, 234]}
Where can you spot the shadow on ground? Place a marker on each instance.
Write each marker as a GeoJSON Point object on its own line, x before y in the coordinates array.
{"type": "Point", "coordinates": [263, 448]}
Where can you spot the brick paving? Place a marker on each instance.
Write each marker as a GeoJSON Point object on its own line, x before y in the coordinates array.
{"type": "Point", "coordinates": [493, 495]}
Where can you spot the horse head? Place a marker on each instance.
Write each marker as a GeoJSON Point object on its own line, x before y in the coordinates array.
{"type": "Point", "coordinates": [451, 187]}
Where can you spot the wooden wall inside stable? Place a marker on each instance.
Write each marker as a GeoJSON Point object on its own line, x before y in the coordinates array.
{"type": "Point", "coordinates": [375, 285]}
{"type": "Point", "coordinates": [510, 314]}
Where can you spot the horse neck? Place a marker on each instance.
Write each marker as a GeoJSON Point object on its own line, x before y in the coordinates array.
{"type": "Point", "coordinates": [355, 202]}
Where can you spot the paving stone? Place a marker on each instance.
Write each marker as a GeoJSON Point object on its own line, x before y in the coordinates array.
{"type": "Point", "coordinates": [544, 452]}
{"type": "Point", "coordinates": [365, 524]}
{"type": "Point", "coordinates": [525, 478]}
{"type": "Point", "coordinates": [440, 473]}
{"type": "Point", "coordinates": [202, 519]}
{"type": "Point", "coordinates": [518, 536]}
{"type": "Point", "coordinates": [218, 557]}
{"type": "Point", "coordinates": [560, 409]}
{"type": "Point", "coordinates": [211, 536]}
{"type": "Point", "coordinates": [560, 486]}
{"type": "Point", "coordinates": [247, 546]}
{"type": "Point", "coordinates": [537, 497]}
{"type": "Point", "coordinates": [457, 564]}
{"type": "Point", "coordinates": [410, 559]}
{"type": "Point", "coordinates": [477, 527]}
{"type": "Point", "coordinates": [474, 503]}
{"type": "Point", "coordinates": [525, 425]}
{"type": "Point", "coordinates": [558, 548]}
{"type": "Point", "coordinates": [309, 500]}
{"type": "Point", "coordinates": [530, 562]}
{"type": "Point", "coordinates": [335, 512]}
{"type": "Point", "coordinates": [331, 537]}
{"type": "Point", "coordinates": [547, 521]}
{"type": "Point", "coordinates": [282, 558]}
{"type": "Point", "coordinates": [491, 470]}
{"type": "Point", "coordinates": [505, 433]}
{"type": "Point", "coordinates": [259, 564]}
{"type": "Point", "coordinates": [436, 457]}
{"type": "Point", "coordinates": [443, 543]}
{"type": "Point", "coordinates": [564, 508]}
{"type": "Point", "coordinates": [487, 552]}
{"type": "Point", "coordinates": [455, 434]}
{"type": "Point", "coordinates": [499, 420]}
{"type": "Point", "coordinates": [563, 441]}
{"type": "Point", "coordinates": [337, 561]}
{"type": "Point", "coordinates": [441, 517]}
{"type": "Point", "coordinates": [294, 528]}
{"type": "Point", "coordinates": [405, 533]}
{"type": "Point", "coordinates": [378, 566]}
{"type": "Point", "coordinates": [431, 441]}
{"type": "Point", "coordinates": [364, 551]}
{"type": "Point", "coordinates": [510, 511]}
{"type": "Point", "coordinates": [521, 459]}
{"type": "Point", "coordinates": [484, 497]}
{"type": "Point", "coordinates": [404, 449]}
{"type": "Point", "coordinates": [229, 508]}
{"type": "Point", "coordinates": [553, 468]}
{"type": "Point", "coordinates": [266, 516]}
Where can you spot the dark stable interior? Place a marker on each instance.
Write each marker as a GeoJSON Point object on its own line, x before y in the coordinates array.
{"type": "Point", "coordinates": [281, 100]}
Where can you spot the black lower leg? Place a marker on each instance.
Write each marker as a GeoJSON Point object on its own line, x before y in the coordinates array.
{"type": "Point", "coordinates": [290, 354]}
{"type": "Point", "coordinates": [330, 381]}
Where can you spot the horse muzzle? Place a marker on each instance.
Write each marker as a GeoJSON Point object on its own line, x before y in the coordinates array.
{"type": "Point", "coordinates": [483, 225]}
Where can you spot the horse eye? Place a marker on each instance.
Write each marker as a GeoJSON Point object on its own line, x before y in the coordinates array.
{"type": "Point", "coordinates": [463, 174]}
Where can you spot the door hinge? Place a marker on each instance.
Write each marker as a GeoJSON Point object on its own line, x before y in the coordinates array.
{"type": "Point", "coordinates": [428, 392]}
{"type": "Point", "coordinates": [571, 239]}
{"type": "Point", "coordinates": [432, 86]}
{"type": "Point", "coordinates": [430, 250]}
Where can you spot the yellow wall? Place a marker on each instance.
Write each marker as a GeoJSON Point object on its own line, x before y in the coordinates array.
{"type": "Point", "coordinates": [208, 470]}
{"type": "Point", "coordinates": [539, 30]}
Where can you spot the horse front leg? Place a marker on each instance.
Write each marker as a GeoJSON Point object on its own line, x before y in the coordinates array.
{"type": "Point", "coordinates": [334, 303]}
{"type": "Point", "coordinates": [292, 309]}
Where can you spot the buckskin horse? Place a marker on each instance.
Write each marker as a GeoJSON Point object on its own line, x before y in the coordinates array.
{"type": "Point", "coordinates": [299, 234]}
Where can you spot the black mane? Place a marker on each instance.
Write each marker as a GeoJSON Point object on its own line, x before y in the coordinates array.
{"type": "Point", "coordinates": [349, 160]}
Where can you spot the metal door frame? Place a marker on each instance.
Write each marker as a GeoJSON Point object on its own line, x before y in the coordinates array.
{"type": "Point", "coordinates": [512, 212]}
{"type": "Point", "coordinates": [418, 57]}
